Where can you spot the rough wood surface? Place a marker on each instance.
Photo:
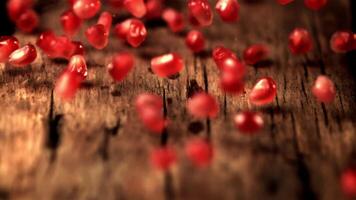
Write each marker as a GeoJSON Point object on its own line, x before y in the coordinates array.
{"type": "Point", "coordinates": [94, 147]}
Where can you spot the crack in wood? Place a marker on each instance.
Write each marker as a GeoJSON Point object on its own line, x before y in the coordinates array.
{"type": "Point", "coordinates": [53, 133]}
{"type": "Point", "coordinates": [326, 119]}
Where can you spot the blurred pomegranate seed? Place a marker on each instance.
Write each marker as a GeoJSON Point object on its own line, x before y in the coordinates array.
{"type": "Point", "coordinates": [70, 22]}
{"type": "Point", "coordinates": [284, 2]}
{"type": "Point", "coordinates": [79, 48]}
{"type": "Point", "coordinates": [46, 42]}
{"type": "Point", "coordinates": [248, 122]}
{"type": "Point", "coordinates": [195, 41]}
{"type": "Point", "coordinates": [315, 4]}
{"type": "Point", "coordinates": [121, 29]}
{"type": "Point", "coordinates": [145, 100]}
{"type": "Point", "coordinates": [67, 85]}
{"type": "Point", "coordinates": [8, 44]}
{"type": "Point", "coordinates": [86, 9]}
{"type": "Point", "coordinates": [348, 182]}
{"type": "Point", "coordinates": [174, 19]}
{"type": "Point", "coordinates": [163, 158]}
{"type": "Point", "coordinates": [264, 91]}
{"type": "Point", "coordinates": [199, 151]}
{"type": "Point", "coordinates": [343, 41]}
{"type": "Point", "coordinates": [27, 21]}
{"type": "Point", "coordinates": [78, 65]}
{"type": "Point", "coordinates": [220, 53]}
{"type": "Point", "coordinates": [121, 65]}
{"type": "Point", "coordinates": [105, 19]}
{"type": "Point", "coordinates": [62, 47]}
{"type": "Point", "coordinates": [233, 66]}
{"type": "Point", "coordinates": [137, 33]}
{"type": "Point", "coordinates": [136, 7]}
{"type": "Point", "coordinates": [201, 11]}
{"type": "Point", "coordinates": [300, 41]}
{"type": "Point", "coordinates": [15, 8]}
{"type": "Point", "coordinates": [255, 54]}
{"type": "Point", "coordinates": [97, 36]}
{"type": "Point", "coordinates": [324, 89]}
{"type": "Point", "coordinates": [167, 65]}
{"type": "Point", "coordinates": [230, 83]}
{"type": "Point", "coordinates": [154, 9]}
{"type": "Point", "coordinates": [116, 4]}
{"type": "Point", "coordinates": [203, 105]}
{"type": "Point", "coordinates": [228, 10]}
{"type": "Point", "coordinates": [23, 56]}
{"type": "Point", "coordinates": [71, 2]}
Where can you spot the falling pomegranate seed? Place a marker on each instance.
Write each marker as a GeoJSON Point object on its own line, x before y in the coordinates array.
{"type": "Point", "coordinates": [220, 53]}
{"type": "Point", "coordinates": [136, 7]}
{"type": "Point", "coordinates": [228, 10]}
{"type": "Point", "coordinates": [315, 4]}
{"type": "Point", "coordinates": [23, 56]}
{"type": "Point", "coordinates": [174, 19]}
{"type": "Point", "coordinates": [201, 11]}
{"type": "Point", "coordinates": [163, 158]}
{"type": "Point", "coordinates": [62, 47]}
{"type": "Point", "coordinates": [97, 36]}
{"type": "Point", "coordinates": [78, 65]}
{"type": "Point", "coordinates": [67, 85]}
{"type": "Point", "coordinates": [121, 65]}
{"type": "Point", "coordinates": [70, 22]}
{"type": "Point", "coordinates": [348, 182]}
{"type": "Point", "coordinates": [17, 7]}
{"type": "Point", "coordinates": [199, 151]}
{"type": "Point", "coordinates": [230, 83]}
{"type": "Point", "coordinates": [300, 41]}
{"type": "Point", "coordinates": [255, 53]}
{"type": "Point", "coordinates": [195, 41]}
{"type": "Point", "coordinates": [8, 44]}
{"type": "Point", "coordinates": [248, 122]}
{"type": "Point", "coordinates": [234, 67]}
{"type": "Point", "coordinates": [86, 9]}
{"type": "Point", "coordinates": [121, 29]}
{"type": "Point", "coordinates": [154, 9]}
{"type": "Point", "coordinates": [284, 2]}
{"type": "Point", "coordinates": [137, 33]}
{"type": "Point", "coordinates": [145, 100]}
{"type": "Point", "coordinates": [46, 42]}
{"type": "Point", "coordinates": [167, 65]}
{"type": "Point", "coordinates": [106, 20]}
{"type": "Point", "coordinates": [324, 89]}
{"type": "Point", "coordinates": [27, 21]}
{"type": "Point", "coordinates": [264, 91]}
{"type": "Point", "coordinates": [79, 48]}
{"type": "Point", "coordinates": [203, 105]}
{"type": "Point", "coordinates": [343, 41]}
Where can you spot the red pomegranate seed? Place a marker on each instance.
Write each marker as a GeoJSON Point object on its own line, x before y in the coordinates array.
{"type": "Point", "coordinates": [220, 53]}
{"type": "Point", "coordinates": [79, 48]}
{"type": "Point", "coordinates": [200, 152]}
{"type": "Point", "coordinates": [248, 122]}
{"type": "Point", "coordinates": [121, 65]}
{"type": "Point", "coordinates": [121, 29]}
{"type": "Point", "coordinates": [23, 56]}
{"type": "Point", "coordinates": [228, 10]}
{"type": "Point", "coordinates": [315, 4]}
{"type": "Point", "coordinates": [78, 65]}
{"type": "Point", "coordinates": [67, 84]}
{"type": "Point", "coordinates": [86, 9]}
{"type": "Point", "coordinates": [195, 41]}
{"type": "Point", "coordinates": [201, 11]}
{"type": "Point", "coordinates": [234, 67]}
{"type": "Point", "coordinates": [167, 65]}
{"type": "Point", "coordinates": [348, 182]}
{"type": "Point", "coordinates": [163, 158]}
{"type": "Point", "coordinates": [324, 89]}
{"type": "Point", "coordinates": [116, 4]}
{"type": "Point", "coordinates": [27, 21]}
{"type": "Point", "coordinates": [203, 105]}
{"type": "Point", "coordinates": [174, 19]}
{"type": "Point", "coordinates": [106, 20]}
{"type": "Point", "coordinates": [62, 47]}
{"type": "Point", "coordinates": [46, 42]}
{"type": "Point", "coordinates": [8, 44]}
{"type": "Point", "coordinates": [145, 100]}
{"type": "Point", "coordinates": [154, 9]}
{"type": "Point", "coordinates": [97, 36]}
{"type": "Point", "coordinates": [230, 83]}
{"type": "Point", "coordinates": [17, 7]}
{"type": "Point", "coordinates": [342, 41]}
{"type": "Point", "coordinates": [136, 7]}
{"type": "Point", "coordinates": [70, 22]}
{"type": "Point", "coordinates": [284, 2]}
{"type": "Point", "coordinates": [255, 54]}
{"type": "Point", "coordinates": [300, 41]}
{"type": "Point", "coordinates": [264, 91]}
{"type": "Point", "coordinates": [137, 33]}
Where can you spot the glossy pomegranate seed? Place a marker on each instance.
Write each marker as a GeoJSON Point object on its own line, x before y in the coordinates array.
{"type": "Point", "coordinates": [77, 64]}
{"type": "Point", "coordinates": [70, 23]}
{"type": "Point", "coordinates": [195, 41]}
{"type": "Point", "coordinates": [105, 19]}
{"type": "Point", "coordinates": [199, 152]}
{"type": "Point", "coordinates": [121, 65]}
{"type": "Point", "coordinates": [343, 41]}
{"type": "Point", "coordinates": [17, 7]}
{"type": "Point", "coordinates": [234, 67]}
{"type": "Point", "coordinates": [97, 36]}
{"type": "Point", "coordinates": [228, 10]}
{"type": "Point", "coordinates": [324, 89]}
{"type": "Point", "coordinates": [255, 54]}
{"type": "Point", "coordinates": [284, 2]}
{"type": "Point", "coordinates": [8, 44]}
{"type": "Point", "coordinates": [220, 53]}
{"type": "Point", "coordinates": [62, 47]}
{"type": "Point", "coordinates": [230, 83]}
{"type": "Point", "coordinates": [167, 65]}
{"type": "Point", "coordinates": [248, 122]}
{"type": "Point", "coordinates": [315, 4]}
{"type": "Point", "coordinates": [264, 91]}
{"type": "Point", "coordinates": [67, 84]}
{"type": "Point", "coordinates": [163, 158]}
{"type": "Point", "coordinates": [300, 41]}
{"type": "Point", "coordinates": [201, 11]}
{"type": "Point", "coordinates": [203, 105]}
{"type": "Point", "coordinates": [23, 56]}
{"type": "Point", "coordinates": [86, 9]}
{"type": "Point", "coordinates": [348, 182]}
{"type": "Point", "coordinates": [137, 33]}
{"type": "Point", "coordinates": [121, 29]}
{"type": "Point", "coordinates": [174, 19]}
{"type": "Point", "coordinates": [27, 21]}
{"type": "Point", "coordinates": [154, 9]}
{"type": "Point", "coordinates": [79, 48]}
{"type": "Point", "coordinates": [46, 42]}
{"type": "Point", "coordinates": [136, 7]}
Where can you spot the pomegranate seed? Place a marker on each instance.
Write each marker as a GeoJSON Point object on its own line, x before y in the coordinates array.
{"type": "Point", "coordinates": [145, 100]}
{"type": "Point", "coordinates": [234, 67]}
{"type": "Point", "coordinates": [174, 19]}
{"type": "Point", "coordinates": [78, 65]}
{"type": "Point", "coordinates": [121, 29]}
{"type": "Point", "coordinates": [201, 11]}
{"type": "Point", "coordinates": [86, 9]}
{"type": "Point", "coordinates": [167, 64]}
{"type": "Point", "coordinates": [17, 7]}
{"type": "Point", "coordinates": [70, 22]}
{"type": "Point", "coordinates": [121, 65]}
{"type": "Point", "coordinates": [228, 10]}
{"type": "Point", "coordinates": [342, 41]}
{"type": "Point", "coordinates": [315, 4]}
{"type": "Point", "coordinates": [116, 4]}
{"type": "Point", "coordinates": [199, 152]}
{"type": "Point", "coordinates": [62, 47]}
{"type": "Point", "coordinates": [248, 122]}
{"type": "Point", "coordinates": [230, 83]}
{"type": "Point", "coordinates": [154, 9]}
{"type": "Point", "coordinates": [23, 56]}
{"type": "Point", "coordinates": [97, 36]}
{"type": "Point", "coordinates": [220, 53]}
{"type": "Point", "coordinates": [195, 41]}
{"type": "Point", "coordinates": [105, 19]}
{"type": "Point", "coordinates": [67, 85]}
{"type": "Point", "coordinates": [46, 42]}
{"type": "Point", "coordinates": [137, 33]}
{"type": "Point", "coordinates": [136, 7]}
{"type": "Point", "coordinates": [71, 2]}
{"type": "Point", "coordinates": [8, 44]}
{"type": "Point", "coordinates": [264, 91]}
{"type": "Point", "coordinates": [203, 105]}
{"type": "Point", "coordinates": [284, 2]}
{"type": "Point", "coordinates": [300, 41]}
{"type": "Point", "coordinates": [324, 89]}
{"type": "Point", "coordinates": [348, 182]}
{"type": "Point", "coordinates": [79, 48]}
{"type": "Point", "coordinates": [163, 158]}
{"type": "Point", "coordinates": [27, 21]}
{"type": "Point", "coordinates": [255, 54]}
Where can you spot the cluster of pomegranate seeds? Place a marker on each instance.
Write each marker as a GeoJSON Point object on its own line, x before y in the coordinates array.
{"type": "Point", "coordinates": [202, 105]}
{"type": "Point", "coordinates": [263, 92]}
{"type": "Point", "coordinates": [284, 2]}
{"type": "Point", "coordinates": [300, 41]}
{"type": "Point", "coordinates": [16, 7]}
{"type": "Point", "coordinates": [228, 10]}
{"type": "Point", "coordinates": [255, 53]}
{"type": "Point", "coordinates": [86, 9]}
{"type": "Point", "coordinates": [200, 12]}
{"type": "Point", "coordinates": [248, 122]}
{"type": "Point", "coordinates": [70, 22]}
{"type": "Point", "coordinates": [21, 12]}
{"type": "Point", "coordinates": [163, 158]}
{"type": "Point", "coordinates": [121, 65]}
{"type": "Point", "coordinates": [174, 19]}
{"type": "Point", "coordinates": [136, 7]}
{"type": "Point", "coordinates": [8, 44]}
{"type": "Point", "coordinates": [195, 41]}
{"type": "Point", "coordinates": [23, 56]}
{"type": "Point", "coordinates": [137, 33]}
{"type": "Point", "coordinates": [315, 4]}
{"type": "Point", "coordinates": [199, 151]}
{"type": "Point", "coordinates": [154, 9]}
{"type": "Point", "coordinates": [343, 41]}
{"type": "Point", "coordinates": [167, 65]}
{"type": "Point", "coordinates": [324, 89]}
{"type": "Point", "coordinates": [348, 182]}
